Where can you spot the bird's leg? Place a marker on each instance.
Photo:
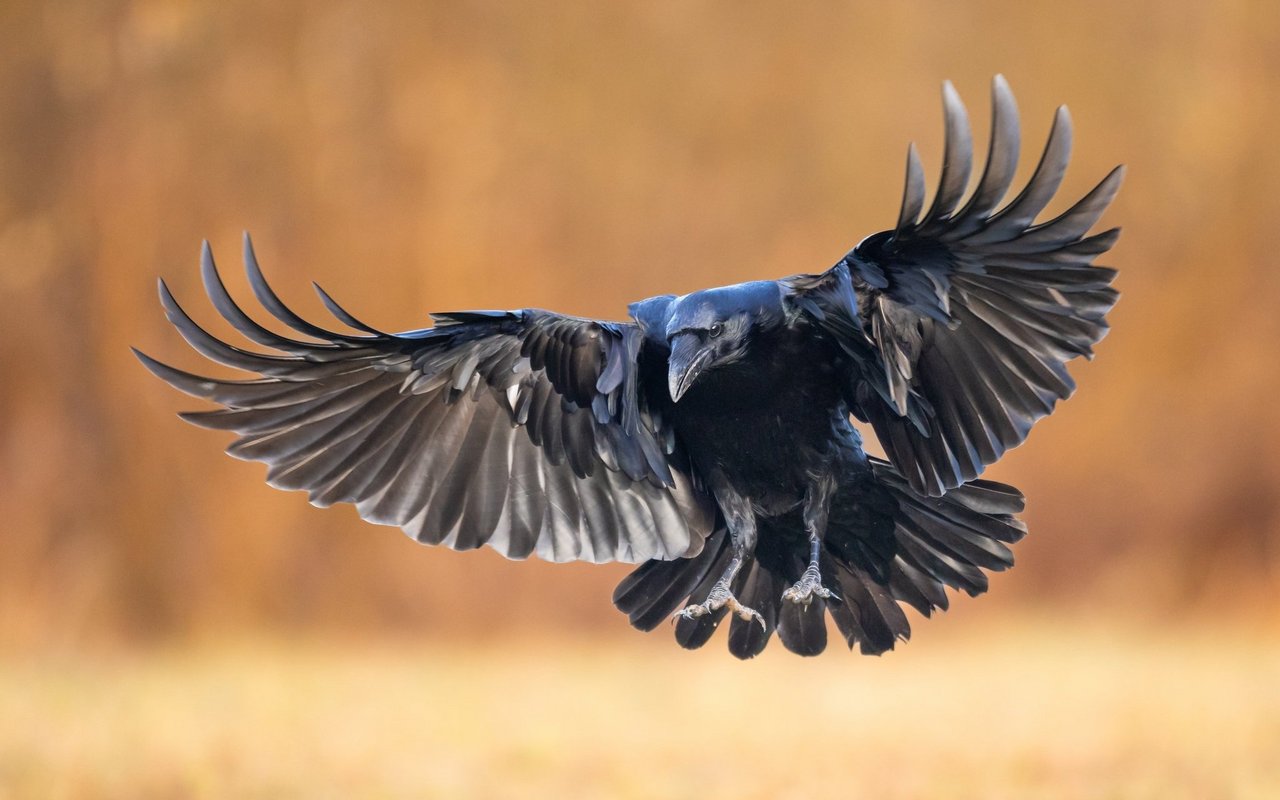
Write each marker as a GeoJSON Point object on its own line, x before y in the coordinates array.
{"type": "Point", "coordinates": [817, 510]}
{"type": "Point", "coordinates": [741, 520]}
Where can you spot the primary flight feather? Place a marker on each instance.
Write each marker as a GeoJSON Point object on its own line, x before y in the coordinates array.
{"type": "Point", "coordinates": [709, 439]}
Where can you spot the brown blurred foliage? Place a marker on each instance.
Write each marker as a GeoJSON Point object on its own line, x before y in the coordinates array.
{"type": "Point", "coordinates": [425, 156]}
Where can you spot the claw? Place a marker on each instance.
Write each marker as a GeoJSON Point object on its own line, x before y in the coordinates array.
{"type": "Point", "coordinates": [809, 585]}
{"type": "Point", "coordinates": [692, 612]}
{"type": "Point", "coordinates": [747, 614]}
{"type": "Point", "coordinates": [720, 597]}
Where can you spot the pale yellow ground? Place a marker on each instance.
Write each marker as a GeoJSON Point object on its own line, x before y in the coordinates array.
{"type": "Point", "coordinates": [1033, 710]}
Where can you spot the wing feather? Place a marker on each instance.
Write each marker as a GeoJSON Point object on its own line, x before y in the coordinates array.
{"type": "Point", "coordinates": [518, 430]}
{"type": "Point", "coordinates": [958, 328]}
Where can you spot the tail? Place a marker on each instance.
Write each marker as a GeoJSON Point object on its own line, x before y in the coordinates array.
{"type": "Point", "coordinates": [886, 544]}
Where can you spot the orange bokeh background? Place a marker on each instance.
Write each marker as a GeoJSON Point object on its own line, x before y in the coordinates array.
{"type": "Point", "coordinates": [414, 157]}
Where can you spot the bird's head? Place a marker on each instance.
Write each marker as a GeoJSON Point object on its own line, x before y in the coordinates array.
{"type": "Point", "coordinates": [713, 328]}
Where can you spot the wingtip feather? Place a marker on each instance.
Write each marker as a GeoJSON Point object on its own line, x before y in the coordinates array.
{"type": "Point", "coordinates": [913, 190]}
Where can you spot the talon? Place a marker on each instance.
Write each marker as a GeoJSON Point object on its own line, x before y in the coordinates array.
{"type": "Point", "coordinates": [747, 614]}
{"type": "Point", "coordinates": [690, 612]}
{"type": "Point", "coordinates": [719, 597]}
{"type": "Point", "coordinates": [809, 585]}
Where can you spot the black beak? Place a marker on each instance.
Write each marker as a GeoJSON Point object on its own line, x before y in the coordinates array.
{"type": "Point", "coordinates": [688, 359]}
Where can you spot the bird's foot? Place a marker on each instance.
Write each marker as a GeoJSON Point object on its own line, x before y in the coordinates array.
{"type": "Point", "coordinates": [808, 587]}
{"type": "Point", "coordinates": [720, 597]}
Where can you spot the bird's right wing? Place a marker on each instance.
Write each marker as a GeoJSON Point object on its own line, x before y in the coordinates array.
{"type": "Point", "coordinates": [521, 430]}
{"type": "Point", "coordinates": [960, 321]}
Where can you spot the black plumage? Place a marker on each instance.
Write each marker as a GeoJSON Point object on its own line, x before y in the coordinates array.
{"type": "Point", "coordinates": [709, 439]}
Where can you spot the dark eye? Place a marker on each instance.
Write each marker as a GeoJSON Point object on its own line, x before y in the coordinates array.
{"type": "Point", "coordinates": [715, 330]}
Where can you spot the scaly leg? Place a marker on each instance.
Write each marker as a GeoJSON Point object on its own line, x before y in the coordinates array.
{"type": "Point", "coordinates": [817, 509]}
{"type": "Point", "coordinates": [741, 520]}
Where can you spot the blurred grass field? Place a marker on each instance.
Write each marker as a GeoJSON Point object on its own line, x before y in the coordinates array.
{"type": "Point", "coordinates": [1038, 708]}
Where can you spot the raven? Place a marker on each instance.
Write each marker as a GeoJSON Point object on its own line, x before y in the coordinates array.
{"type": "Point", "coordinates": [710, 438]}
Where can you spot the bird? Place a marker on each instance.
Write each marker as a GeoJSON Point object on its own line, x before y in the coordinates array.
{"type": "Point", "coordinates": [710, 438]}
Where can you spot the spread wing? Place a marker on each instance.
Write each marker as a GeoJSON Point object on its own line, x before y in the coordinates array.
{"type": "Point", "coordinates": [960, 321]}
{"type": "Point", "coordinates": [521, 430]}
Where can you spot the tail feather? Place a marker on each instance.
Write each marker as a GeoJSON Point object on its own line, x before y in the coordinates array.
{"type": "Point", "coordinates": [941, 567]}
{"type": "Point", "coordinates": [951, 539]}
{"type": "Point", "coordinates": [986, 497]}
{"type": "Point", "coordinates": [653, 592]}
{"type": "Point", "coordinates": [916, 589]}
{"type": "Point", "coordinates": [886, 544]}
{"type": "Point", "coordinates": [869, 615]}
{"type": "Point", "coordinates": [802, 629]}
{"type": "Point", "coordinates": [763, 592]}
{"type": "Point", "coordinates": [694, 633]}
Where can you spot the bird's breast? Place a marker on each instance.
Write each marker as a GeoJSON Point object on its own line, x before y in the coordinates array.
{"type": "Point", "coordinates": [767, 441]}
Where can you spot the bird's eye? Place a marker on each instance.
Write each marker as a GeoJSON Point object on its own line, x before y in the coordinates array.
{"type": "Point", "coordinates": [716, 330]}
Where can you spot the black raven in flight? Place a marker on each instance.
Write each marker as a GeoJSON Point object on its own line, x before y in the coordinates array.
{"type": "Point", "coordinates": [709, 438]}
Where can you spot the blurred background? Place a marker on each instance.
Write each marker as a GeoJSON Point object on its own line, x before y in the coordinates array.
{"type": "Point", "coordinates": [167, 621]}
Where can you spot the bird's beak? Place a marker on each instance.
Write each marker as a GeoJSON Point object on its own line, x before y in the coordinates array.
{"type": "Point", "coordinates": [688, 359]}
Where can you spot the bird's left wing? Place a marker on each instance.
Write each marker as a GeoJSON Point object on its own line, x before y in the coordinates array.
{"type": "Point", "coordinates": [959, 322]}
{"type": "Point", "coordinates": [522, 430]}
